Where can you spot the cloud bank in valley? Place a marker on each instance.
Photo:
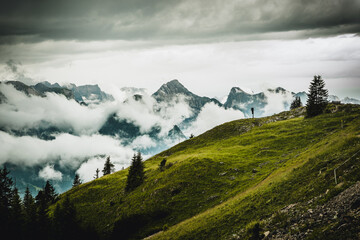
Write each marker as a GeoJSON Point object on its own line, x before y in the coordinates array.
{"type": "Point", "coordinates": [66, 150]}
{"type": "Point", "coordinates": [78, 145]}
{"type": "Point", "coordinates": [23, 111]}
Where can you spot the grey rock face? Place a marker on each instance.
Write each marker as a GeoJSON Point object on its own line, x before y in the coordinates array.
{"type": "Point", "coordinates": [89, 93]}
{"type": "Point", "coordinates": [41, 89]}
{"type": "Point", "coordinates": [240, 100]}
{"type": "Point", "coordinates": [173, 89]}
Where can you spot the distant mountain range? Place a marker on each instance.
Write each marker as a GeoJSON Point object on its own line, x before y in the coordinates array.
{"type": "Point", "coordinates": [122, 127]}
{"type": "Point", "coordinates": [172, 91]}
{"type": "Point", "coordinates": [236, 99]}
{"type": "Point", "coordinates": [83, 94]}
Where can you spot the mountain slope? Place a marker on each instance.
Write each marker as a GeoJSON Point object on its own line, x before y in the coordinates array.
{"type": "Point", "coordinates": [221, 182]}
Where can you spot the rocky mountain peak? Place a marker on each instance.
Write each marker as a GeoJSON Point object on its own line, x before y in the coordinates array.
{"type": "Point", "coordinates": [171, 88]}
{"type": "Point", "coordinates": [237, 90]}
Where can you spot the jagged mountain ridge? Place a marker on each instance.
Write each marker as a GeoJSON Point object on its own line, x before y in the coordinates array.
{"type": "Point", "coordinates": [40, 89]}
{"type": "Point", "coordinates": [82, 94]}
{"type": "Point", "coordinates": [89, 93]}
{"type": "Point", "coordinates": [237, 98]}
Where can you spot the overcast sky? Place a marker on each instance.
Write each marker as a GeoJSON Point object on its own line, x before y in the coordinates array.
{"type": "Point", "coordinates": [209, 46]}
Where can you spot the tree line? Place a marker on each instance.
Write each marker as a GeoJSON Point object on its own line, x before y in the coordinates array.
{"type": "Point", "coordinates": [29, 218]}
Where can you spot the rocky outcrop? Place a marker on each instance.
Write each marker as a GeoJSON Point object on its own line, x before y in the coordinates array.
{"type": "Point", "coordinates": [339, 218]}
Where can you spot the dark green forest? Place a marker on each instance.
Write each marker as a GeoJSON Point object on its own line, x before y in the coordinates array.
{"type": "Point", "coordinates": [28, 218]}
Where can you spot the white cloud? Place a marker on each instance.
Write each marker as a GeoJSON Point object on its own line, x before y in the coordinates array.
{"type": "Point", "coordinates": [277, 102]}
{"type": "Point", "coordinates": [67, 150]}
{"type": "Point", "coordinates": [49, 173]}
{"type": "Point", "coordinates": [210, 116]}
{"type": "Point", "coordinates": [147, 113]}
{"type": "Point", "coordinates": [88, 168]}
{"type": "Point", "coordinates": [143, 142]}
{"type": "Point", "coordinates": [22, 111]}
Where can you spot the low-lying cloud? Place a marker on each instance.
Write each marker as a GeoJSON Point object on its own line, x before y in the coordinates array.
{"type": "Point", "coordinates": [79, 144]}
{"type": "Point", "coordinates": [210, 116]}
{"type": "Point", "coordinates": [54, 110]}
{"type": "Point", "coordinates": [277, 102]}
{"type": "Point", "coordinates": [49, 173]}
{"type": "Point", "coordinates": [66, 150]}
{"type": "Point", "coordinates": [87, 169]}
{"type": "Point", "coordinates": [147, 113]}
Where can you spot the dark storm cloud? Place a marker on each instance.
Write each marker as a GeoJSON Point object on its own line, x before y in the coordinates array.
{"type": "Point", "coordinates": [84, 20]}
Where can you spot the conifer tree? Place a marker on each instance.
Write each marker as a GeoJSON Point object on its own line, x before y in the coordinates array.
{"type": "Point", "coordinates": [29, 212]}
{"type": "Point", "coordinates": [16, 205]}
{"type": "Point", "coordinates": [16, 215]}
{"type": "Point", "coordinates": [77, 180]}
{"type": "Point", "coordinates": [29, 205]}
{"type": "Point", "coordinates": [65, 224]}
{"type": "Point", "coordinates": [136, 173]}
{"type": "Point", "coordinates": [296, 103]}
{"type": "Point", "coordinates": [108, 167]}
{"type": "Point", "coordinates": [96, 174]}
{"type": "Point", "coordinates": [317, 97]}
{"type": "Point", "coordinates": [43, 199]}
{"type": "Point", "coordinates": [49, 193]}
{"type": "Point", "coordinates": [6, 192]}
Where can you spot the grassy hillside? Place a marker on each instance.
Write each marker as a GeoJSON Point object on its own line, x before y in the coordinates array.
{"type": "Point", "coordinates": [220, 184]}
